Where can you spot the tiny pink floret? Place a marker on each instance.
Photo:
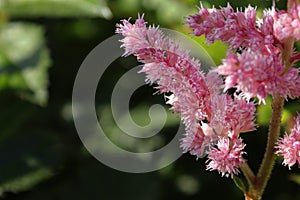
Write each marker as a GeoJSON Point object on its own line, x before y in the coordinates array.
{"type": "Point", "coordinates": [287, 24]}
{"type": "Point", "coordinates": [289, 146]}
{"type": "Point", "coordinates": [226, 157]}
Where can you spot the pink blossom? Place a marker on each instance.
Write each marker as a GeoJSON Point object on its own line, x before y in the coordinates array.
{"type": "Point", "coordinates": [289, 146]}
{"type": "Point", "coordinates": [231, 116]}
{"type": "Point", "coordinates": [282, 26]}
{"type": "Point", "coordinates": [226, 157]}
{"type": "Point", "coordinates": [238, 29]}
{"type": "Point", "coordinates": [228, 118]}
{"type": "Point", "coordinates": [258, 69]}
{"type": "Point", "coordinates": [210, 117]}
{"type": "Point", "coordinates": [165, 64]}
{"type": "Point", "coordinates": [214, 82]}
{"type": "Point", "coordinates": [256, 74]}
{"type": "Point", "coordinates": [207, 114]}
{"type": "Point", "coordinates": [287, 24]}
{"type": "Point", "coordinates": [198, 142]}
{"type": "Point", "coordinates": [290, 84]}
{"type": "Point", "coordinates": [174, 72]}
{"type": "Point", "coordinates": [256, 65]}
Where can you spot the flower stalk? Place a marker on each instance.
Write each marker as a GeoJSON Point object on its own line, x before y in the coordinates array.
{"type": "Point", "coordinates": [259, 63]}
{"type": "Point", "coordinates": [258, 183]}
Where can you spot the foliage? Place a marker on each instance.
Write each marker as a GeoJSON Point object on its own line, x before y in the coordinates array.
{"type": "Point", "coordinates": [24, 65]}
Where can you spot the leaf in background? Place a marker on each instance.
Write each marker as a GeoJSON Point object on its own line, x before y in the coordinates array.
{"type": "Point", "coordinates": [216, 50]}
{"type": "Point", "coordinates": [28, 159]}
{"type": "Point", "coordinates": [264, 113]}
{"type": "Point", "coordinates": [24, 61]}
{"type": "Point", "coordinates": [295, 178]}
{"type": "Point", "coordinates": [176, 10]}
{"type": "Point", "coordinates": [56, 8]}
{"type": "Point", "coordinates": [25, 182]}
{"type": "Point", "coordinates": [239, 183]}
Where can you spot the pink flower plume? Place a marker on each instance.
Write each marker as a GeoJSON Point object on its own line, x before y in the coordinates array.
{"type": "Point", "coordinates": [226, 157]}
{"type": "Point", "coordinates": [289, 146]}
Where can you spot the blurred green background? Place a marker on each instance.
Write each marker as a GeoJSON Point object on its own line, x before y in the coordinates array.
{"type": "Point", "coordinates": [42, 45]}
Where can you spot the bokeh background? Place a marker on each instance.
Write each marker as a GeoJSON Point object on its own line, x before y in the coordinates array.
{"type": "Point", "coordinates": [42, 45]}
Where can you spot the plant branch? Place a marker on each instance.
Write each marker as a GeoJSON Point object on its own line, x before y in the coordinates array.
{"type": "Point", "coordinates": [266, 167]}
{"type": "Point", "coordinates": [249, 175]}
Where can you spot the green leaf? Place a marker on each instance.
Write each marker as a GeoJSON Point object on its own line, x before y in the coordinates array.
{"type": "Point", "coordinates": [264, 112]}
{"type": "Point", "coordinates": [26, 181]}
{"type": "Point", "coordinates": [27, 159]}
{"type": "Point", "coordinates": [295, 178]}
{"type": "Point", "coordinates": [216, 50]}
{"type": "Point", "coordinates": [24, 61]}
{"type": "Point", "coordinates": [239, 183]}
{"type": "Point", "coordinates": [56, 8]}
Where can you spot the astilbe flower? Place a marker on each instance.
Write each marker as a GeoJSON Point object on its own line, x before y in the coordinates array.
{"type": "Point", "coordinates": [173, 70]}
{"type": "Point", "coordinates": [195, 96]}
{"type": "Point", "coordinates": [229, 117]}
{"type": "Point", "coordinates": [238, 29]}
{"type": "Point", "coordinates": [289, 146]}
{"type": "Point", "coordinates": [232, 115]}
{"type": "Point", "coordinates": [259, 62]}
{"type": "Point", "coordinates": [258, 75]}
{"type": "Point", "coordinates": [226, 157]}
{"type": "Point", "coordinates": [287, 24]}
{"type": "Point", "coordinates": [254, 66]}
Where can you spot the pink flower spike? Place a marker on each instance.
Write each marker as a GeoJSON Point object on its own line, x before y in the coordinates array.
{"type": "Point", "coordinates": [175, 72]}
{"type": "Point", "coordinates": [289, 146]}
{"type": "Point", "coordinates": [236, 28]}
{"type": "Point", "coordinates": [290, 84]}
{"type": "Point", "coordinates": [231, 115]}
{"type": "Point", "coordinates": [255, 74]}
{"type": "Point", "coordinates": [226, 157]}
{"type": "Point", "coordinates": [198, 141]}
{"type": "Point", "coordinates": [287, 24]}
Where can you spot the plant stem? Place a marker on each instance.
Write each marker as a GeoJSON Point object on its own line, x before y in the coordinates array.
{"type": "Point", "coordinates": [266, 167]}
{"type": "Point", "coordinates": [257, 184]}
{"type": "Point", "coordinates": [249, 175]}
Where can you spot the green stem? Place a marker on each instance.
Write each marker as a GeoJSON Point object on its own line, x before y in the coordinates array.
{"type": "Point", "coordinates": [257, 184]}
{"type": "Point", "coordinates": [266, 167]}
{"type": "Point", "coordinates": [249, 175]}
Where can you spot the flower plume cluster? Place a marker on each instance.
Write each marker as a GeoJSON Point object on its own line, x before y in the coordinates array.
{"type": "Point", "coordinates": [210, 118]}
{"type": "Point", "coordinates": [288, 24]}
{"type": "Point", "coordinates": [289, 146]}
{"type": "Point", "coordinates": [258, 70]}
{"type": "Point", "coordinates": [254, 66]}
